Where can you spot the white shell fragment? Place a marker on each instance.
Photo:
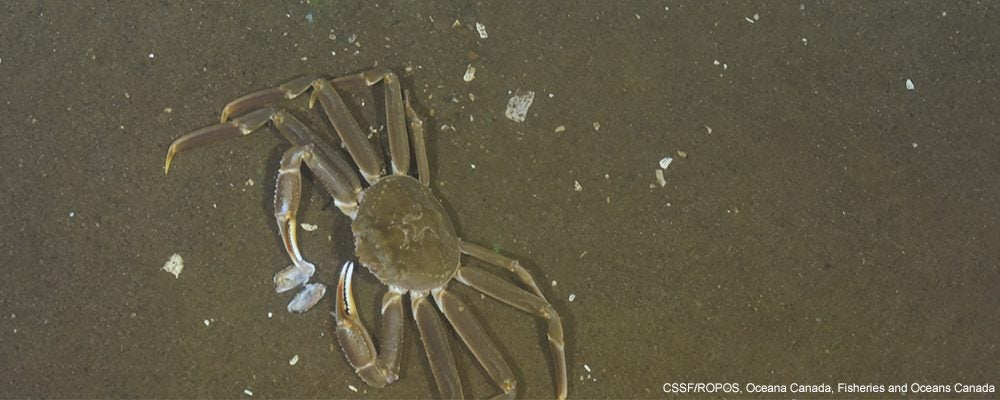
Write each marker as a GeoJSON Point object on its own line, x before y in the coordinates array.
{"type": "Point", "coordinates": [660, 179]}
{"type": "Point", "coordinates": [572, 297]}
{"type": "Point", "coordinates": [482, 30]}
{"type": "Point", "coordinates": [247, 392]}
{"type": "Point", "coordinates": [576, 186]}
{"type": "Point", "coordinates": [294, 360]}
{"type": "Point", "coordinates": [174, 265]}
{"type": "Point", "coordinates": [665, 162]}
{"type": "Point", "coordinates": [909, 85]}
{"type": "Point", "coordinates": [307, 297]}
{"type": "Point", "coordinates": [470, 73]}
{"type": "Point", "coordinates": [308, 227]}
{"type": "Point", "coordinates": [353, 389]}
{"type": "Point", "coordinates": [517, 106]}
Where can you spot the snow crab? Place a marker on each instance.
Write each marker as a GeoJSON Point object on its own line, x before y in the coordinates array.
{"type": "Point", "coordinates": [402, 234]}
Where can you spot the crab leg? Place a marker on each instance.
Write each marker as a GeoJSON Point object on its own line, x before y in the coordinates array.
{"type": "Point", "coordinates": [475, 338]}
{"type": "Point", "coordinates": [375, 369]}
{"type": "Point", "coordinates": [395, 122]}
{"type": "Point", "coordinates": [491, 257]}
{"type": "Point", "coordinates": [343, 122]}
{"type": "Point", "coordinates": [521, 299]}
{"type": "Point", "coordinates": [216, 133]}
{"type": "Point", "coordinates": [432, 334]}
{"type": "Point", "coordinates": [258, 99]}
{"type": "Point", "coordinates": [287, 193]}
{"type": "Point", "coordinates": [361, 150]}
{"type": "Point", "coordinates": [419, 146]}
{"type": "Point", "coordinates": [328, 166]}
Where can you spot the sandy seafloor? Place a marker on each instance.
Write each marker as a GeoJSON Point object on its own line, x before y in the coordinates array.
{"type": "Point", "coordinates": [826, 224]}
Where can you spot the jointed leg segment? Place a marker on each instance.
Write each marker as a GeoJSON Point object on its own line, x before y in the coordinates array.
{"type": "Point", "coordinates": [521, 299]}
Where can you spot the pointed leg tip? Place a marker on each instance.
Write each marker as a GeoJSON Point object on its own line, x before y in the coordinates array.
{"type": "Point", "coordinates": [312, 99]}
{"type": "Point", "coordinates": [166, 163]}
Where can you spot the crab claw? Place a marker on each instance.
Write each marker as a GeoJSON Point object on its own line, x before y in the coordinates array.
{"type": "Point", "coordinates": [345, 296]}
{"type": "Point", "coordinates": [293, 276]}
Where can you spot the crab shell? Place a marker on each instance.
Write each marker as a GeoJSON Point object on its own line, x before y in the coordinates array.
{"type": "Point", "coordinates": [403, 235]}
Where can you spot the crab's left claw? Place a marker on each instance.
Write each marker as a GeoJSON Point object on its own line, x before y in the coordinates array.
{"type": "Point", "coordinates": [377, 370]}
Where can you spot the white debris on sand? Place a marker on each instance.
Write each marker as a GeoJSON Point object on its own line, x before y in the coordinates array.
{"type": "Point", "coordinates": [353, 389]}
{"type": "Point", "coordinates": [247, 392]}
{"type": "Point", "coordinates": [517, 106]}
{"type": "Point", "coordinates": [470, 73]}
{"type": "Point", "coordinates": [586, 367]}
{"type": "Point", "coordinates": [482, 30]}
{"type": "Point", "coordinates": [660, 179]}
{"type": "Point", "coordinates": [174, 265]}
{"type": "Point", "coordinates": [572, 296]}
{"type": "Point", "coordinates": [576, 186]}
{"type": "Point", "coordinates": [308, 227]}
{"type": "Point", "coordinates": [294, 360]}
{"type": "Point", "coordinates": [665, 162]}
{"type": "Point", "coordinates": [910, 85]}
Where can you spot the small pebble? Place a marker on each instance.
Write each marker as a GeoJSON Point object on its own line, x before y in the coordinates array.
{"type": "Point", "coordinates": [295, 360]}
{"type": "Point", "coordinates": [586, 367]}
{"type": "Point", "coordinates": [247, 392]}
{"type": "Point", "coordinates": [572, 297]}
{"type": "Point", "coordinates": [576, 186]}
{"type": "Point", "coordinates": [909, 85]}
{"type": "Point", "coordinates": [207, 323]}
{"type": "Point", "coordinates": [353, 389]}
{"type": "Point", "coordinates": [560, 129]}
